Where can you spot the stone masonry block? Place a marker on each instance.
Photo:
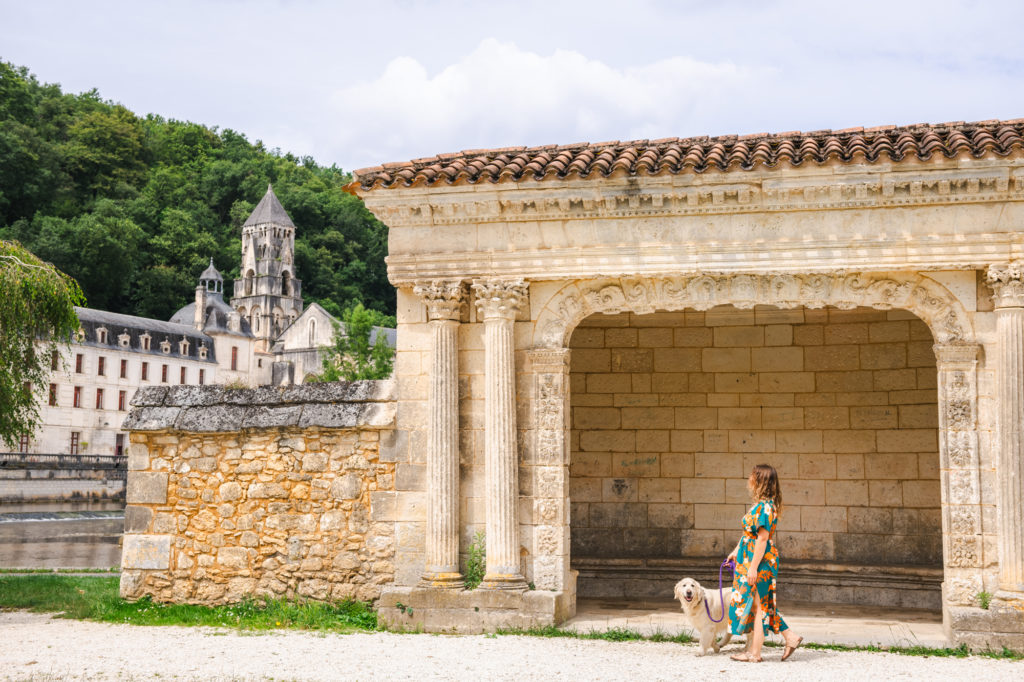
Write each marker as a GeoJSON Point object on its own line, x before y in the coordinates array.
{"type": "Point", "coordinates": [146, 488]}
{"type": "Point", "coordinates": [777, 359]}
{"type": "Point", "coordinates": [908, 440]}
{"type": "Point", "coordinates": [149, 552]}
{"type": "Point", "coordinates": [703, 490]}
{"type": "Point", "coordinates": [742, 336]}
{"type": "Point", "coordinates": [138, 457]}
{"type": "Point", "coordinates": [725, 360]}
{"type": "Point", "coordinates": [137, 519]}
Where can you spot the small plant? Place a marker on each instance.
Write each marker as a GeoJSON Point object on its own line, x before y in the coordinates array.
{"type": "Point", "coordinates": [476, 561]}
{"type": "Point", "coordinates": [984, 599]}
{"type": "Point", "coordinates": [531, 586]}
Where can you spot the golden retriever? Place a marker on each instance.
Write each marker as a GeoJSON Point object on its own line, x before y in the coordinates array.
{"type": "Point", "coordinates": [692, 598]}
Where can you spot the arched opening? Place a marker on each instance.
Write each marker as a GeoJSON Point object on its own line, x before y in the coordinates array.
{"type": "Point", "coordinates": [312, 333]}
{"type": "Point", "coordinates": [249, 277]}
{"type": "Point", "coordinates": [255, 319]}
{"type": "Point", "coordinates": [669, 411]}
{"type": "Point", "coordinates": [286, 283]}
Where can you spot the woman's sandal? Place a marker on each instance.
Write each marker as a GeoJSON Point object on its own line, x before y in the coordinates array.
{"type": "Point", "coordinates": [788, 651]}
{"type": "Point", "coordinates": [745, 658]}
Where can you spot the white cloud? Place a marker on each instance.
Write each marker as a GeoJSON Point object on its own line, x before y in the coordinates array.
{"type": "Point", "coordinates": [500, 95]}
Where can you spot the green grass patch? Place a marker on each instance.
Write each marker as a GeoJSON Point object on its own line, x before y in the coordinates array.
{"type": "Point", "coordinates": [610, 635]}
{"type": "Point", "coordinates": [89, 598]}
{"type": "Point", "coordinates": [112, 569]}
{"type": "Point", "coordinates": [947, 652]}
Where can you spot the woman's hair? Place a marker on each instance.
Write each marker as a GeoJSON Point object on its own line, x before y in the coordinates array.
{"type": "Point", "coordinates": [765, 484]}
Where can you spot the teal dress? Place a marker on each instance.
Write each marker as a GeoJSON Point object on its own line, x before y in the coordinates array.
{"type": "Point", "coordinates": [741, 608]}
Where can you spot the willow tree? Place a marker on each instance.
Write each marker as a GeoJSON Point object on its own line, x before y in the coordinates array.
{"type": "Point", "coordinates": [37, 315]}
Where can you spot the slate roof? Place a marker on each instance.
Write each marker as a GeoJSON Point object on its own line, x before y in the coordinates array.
{"type": "Point", "coordinates": [211, 273]}
{"type": "Point", "coordinates": [158, 330]}
{"type": "Point", "coordinates": [700, 154]}
{"type": "Point", "coordinates": [269, 210]}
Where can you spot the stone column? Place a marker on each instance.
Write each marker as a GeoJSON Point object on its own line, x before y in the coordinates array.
{"type": "Point", "coordinates": [444, 299]}
{"type": "Point", "coordinates": [1007, 281]}
{"type": "Point", "coordinates": [498, 301]}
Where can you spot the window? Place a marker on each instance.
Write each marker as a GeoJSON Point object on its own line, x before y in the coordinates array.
{"type": "Point", "coordinates": [78, 363]}
{"type": "Point", "coordinates": [53, 395]}
{"type": "Point", "coordinates": [119, 444]}
{"type": "Point", "coordinates": [202, 377]}
{"type": "Point", "coordinates": [78, 397]}
{"type": "Point", "coordinates": [165, 347]}
{"type": "Point", "coordinates": [101, 366]}
{"type": "Point", "coordinates": [163, 374]}
{"type": "Point", "coordinates": [124, 369]}
{"type": "Point", "coordinates": [27, 388]}
{"type": "Point", "coordinates": [75, 437]}
{"type": "Point", "coordinates": [144, 339]}
{"type": "Point", "coordinates": [124, 340]}
{"type": "Point", "coordinates": [145, 371]}
{"type": "Point", "coordinates": [312, 333]}
{"type": "Point", "coordinates": [183, 347]}
{"type": "Point", "coordinates": [181, 376]}
{"type": "Point", "coordinates": [54, 359]}
{"type": "Point", "coordinates": [234, 357]}
{"type": "Point", "coordinates": [99, 398]}
{"type": "Point", "coordinates": [23, 443]}
{"type": "Point", "coordinates": [101, 335]}
{"type": "Point", "coordinates": [202, 352]}
{"type": "Point", "coordinates": [122, 400]}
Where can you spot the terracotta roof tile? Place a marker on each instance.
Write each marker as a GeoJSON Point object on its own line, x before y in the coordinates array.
{"type": "Point", "coordinates": [699, 154]}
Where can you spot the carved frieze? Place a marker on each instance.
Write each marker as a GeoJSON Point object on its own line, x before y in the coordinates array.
{"type": "Point", "coordinates": [964, 551]}
{"type": "Point", "coordinates": [928, 300]}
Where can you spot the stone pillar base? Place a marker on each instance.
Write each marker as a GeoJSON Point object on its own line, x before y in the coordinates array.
{"type": "Point", "coordinates": [428, 609]}
{"type": "Point", "coordinates": [503, 582]}
{"type": "Point", "coordinates": [442, 581]}
{"type": "Point", "coordinates": [1000, 625]}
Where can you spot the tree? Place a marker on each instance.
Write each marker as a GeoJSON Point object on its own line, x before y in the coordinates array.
{"type": "Point", "coordinates": [37, 315]}
{"type": "Point", "coordinates": [351, 357]}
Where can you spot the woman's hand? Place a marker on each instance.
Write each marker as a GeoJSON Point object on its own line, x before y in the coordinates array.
{"type": "Point", "coordinates": [752, 575]}
{"type": "Point", "coordinates": [732, 555]}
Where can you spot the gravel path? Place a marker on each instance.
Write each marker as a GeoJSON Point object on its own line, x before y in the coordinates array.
{"type": "Point", "coordinates": [39, 647]}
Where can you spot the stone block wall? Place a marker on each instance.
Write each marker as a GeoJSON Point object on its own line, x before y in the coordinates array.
{"type": "Point", "coordinates": [671, 410]}
{"type": "Point", "coordinates": [278, 492]}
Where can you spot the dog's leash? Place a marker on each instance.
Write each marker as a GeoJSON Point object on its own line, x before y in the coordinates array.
{"type": "Point", "coordinates": [732, 567]}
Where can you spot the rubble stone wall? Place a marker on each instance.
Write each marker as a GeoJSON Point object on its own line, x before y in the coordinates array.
{"type": "Point", "coordinates": [244, 493]}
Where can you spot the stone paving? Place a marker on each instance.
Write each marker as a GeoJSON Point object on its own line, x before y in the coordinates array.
{"type": "Point", "coordinates": [820, 623]}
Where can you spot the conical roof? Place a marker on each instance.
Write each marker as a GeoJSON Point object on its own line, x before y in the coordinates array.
{"type": "Point", "coordinates": [269, 210]}
{"type": "Point", "coordinates": [210, 273]}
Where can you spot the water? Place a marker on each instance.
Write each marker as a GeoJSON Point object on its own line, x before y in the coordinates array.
{"type": "Point", "coordinates": [61, 535]}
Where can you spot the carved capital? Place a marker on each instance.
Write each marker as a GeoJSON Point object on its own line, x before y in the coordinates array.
{"type": "Point", "coordinates": [549, 361]}
{"type": "Point", "coordinates": [956, 353]}
{"type": "Point", "coordinates": [499, 299]}
{"type": "Point", "coordinates": [444, 298]}
{"type": "Point", "coordinates": [1007, 281]}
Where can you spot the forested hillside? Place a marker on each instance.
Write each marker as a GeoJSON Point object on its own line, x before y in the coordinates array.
{"type": "Point", "coordinates": [133, 207]}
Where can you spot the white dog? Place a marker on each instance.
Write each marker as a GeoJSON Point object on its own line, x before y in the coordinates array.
{"type": "Point", "coordinates": [693, 597]}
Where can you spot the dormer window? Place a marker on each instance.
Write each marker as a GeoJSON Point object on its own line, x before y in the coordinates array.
{"type": "Point", "coordinates": [202, 351]}
{"type": "Point", "coordinates": [80, 335]}
{"type": "Point", "coordinates": [124, 340]}
{"type": "Point", "coordinates": [165, 347]}
{"type": "Point", "coordinates": [144, 341]}
{"type": "Point", "coordinates": [183, 347]}
{"type": "Point", "coordinates": [101, 335]}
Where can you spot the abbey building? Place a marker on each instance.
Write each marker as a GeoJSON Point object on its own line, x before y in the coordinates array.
{"type": "Point", "coordinates": [264, 335]}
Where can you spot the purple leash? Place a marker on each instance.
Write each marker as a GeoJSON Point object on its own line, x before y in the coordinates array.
{"type": "Point", "coordinates": [732, 567]}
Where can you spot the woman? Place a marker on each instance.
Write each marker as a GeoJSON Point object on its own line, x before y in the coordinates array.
{"type": "Point", "coordinates": [757, 567]}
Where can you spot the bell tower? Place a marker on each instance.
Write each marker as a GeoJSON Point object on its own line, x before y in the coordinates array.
{"type": "Point", "coordinates": [267, 293]}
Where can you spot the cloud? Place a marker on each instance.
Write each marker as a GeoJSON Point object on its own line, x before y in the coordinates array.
{"type": "Point", "coordinates": [500, 95]}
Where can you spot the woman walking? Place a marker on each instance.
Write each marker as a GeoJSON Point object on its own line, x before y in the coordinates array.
{"type": "Point", "coordinates": [753, 611]}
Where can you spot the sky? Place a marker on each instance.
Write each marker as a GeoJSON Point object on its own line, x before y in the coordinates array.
{"type": "Point", "coordinates": [358, 84]}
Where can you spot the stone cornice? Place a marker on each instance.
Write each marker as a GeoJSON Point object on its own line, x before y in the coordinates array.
{"type": "Point", "coordinates": [704, 195]}
{"type": "Point", "coordinates": [1007, 282]}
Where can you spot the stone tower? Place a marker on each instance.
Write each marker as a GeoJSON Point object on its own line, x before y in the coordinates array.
{"type": "Point", "coordinates": [267, 294]}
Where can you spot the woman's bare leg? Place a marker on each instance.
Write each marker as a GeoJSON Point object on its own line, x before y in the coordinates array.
{"type": "Point", "coordinates": [757, 634]}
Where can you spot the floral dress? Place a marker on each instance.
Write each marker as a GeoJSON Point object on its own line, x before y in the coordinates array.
{"type": "Point", "coordinates": [741, 609]}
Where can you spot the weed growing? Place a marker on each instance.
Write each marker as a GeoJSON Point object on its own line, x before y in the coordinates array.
{"type": "Point", "coordinates": [476, 561]}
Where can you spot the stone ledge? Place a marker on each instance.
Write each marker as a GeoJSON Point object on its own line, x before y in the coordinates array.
{"type": "Point", "coordinates": [215, 409]}
{"type": "Point", "coordinates": [471, 611]}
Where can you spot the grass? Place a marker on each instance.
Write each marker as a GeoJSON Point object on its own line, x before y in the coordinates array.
{"type": "Point", "coordinates": [610, 635]}
{"type": "Point", "coordinates": [112, 569]}
{"type": "Point", "coordinates": [948, 652]}
{"type": "Point", "coordinates": [89, 598]}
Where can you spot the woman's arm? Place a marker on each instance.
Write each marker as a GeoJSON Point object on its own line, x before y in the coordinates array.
{"type": "Point", "coordinates": [760, 546]}
{"type": "Point", "coordinates": [735, 552]}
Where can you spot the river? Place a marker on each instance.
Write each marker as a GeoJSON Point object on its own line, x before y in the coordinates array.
{"type": "Point", "coordinates": [61, 535]}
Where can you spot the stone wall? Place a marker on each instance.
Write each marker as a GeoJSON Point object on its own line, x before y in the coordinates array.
{"type": "Point", "coordinates": [671, 410]}
{"type": "Point", "coordinates": [277, 492]}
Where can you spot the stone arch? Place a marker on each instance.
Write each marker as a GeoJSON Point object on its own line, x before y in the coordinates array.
{"type": "Point", "coordinates": [286, 283]}
{"type": "Point", "coordinates": [249, 277]}
{"type": "Point", "coordinates": [924, 297]}
{"type": "Point", "coordinates": [956, 349]}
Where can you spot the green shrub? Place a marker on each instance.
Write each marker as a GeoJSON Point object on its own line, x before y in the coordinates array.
{"type": "Point", "coordinates": [476, 561]}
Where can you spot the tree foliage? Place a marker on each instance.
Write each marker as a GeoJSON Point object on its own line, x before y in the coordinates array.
{"type": "Point", "coordinates": [133, 207]}
{"type": "Point", "coordinates": [37, 314]}
{"type": "Point", "coordinates": [352, 357]}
